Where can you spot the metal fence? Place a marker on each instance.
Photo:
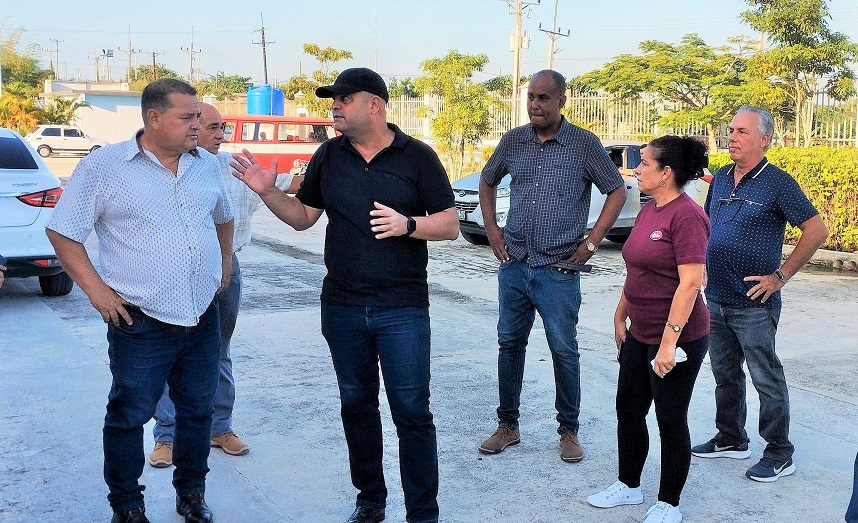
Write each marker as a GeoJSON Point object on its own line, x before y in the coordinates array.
{"type": "Point", "coordinates": [835, 122]}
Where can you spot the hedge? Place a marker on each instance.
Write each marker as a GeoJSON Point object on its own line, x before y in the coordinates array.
{"type": "Point", "coordinates": [829, 178]}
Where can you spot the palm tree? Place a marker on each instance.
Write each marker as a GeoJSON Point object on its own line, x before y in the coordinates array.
{"type": "Point", "coordinates": [62, 110]}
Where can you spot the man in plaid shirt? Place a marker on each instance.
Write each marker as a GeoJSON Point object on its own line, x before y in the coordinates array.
{"type": "Point", "coordinates": [553, 165]}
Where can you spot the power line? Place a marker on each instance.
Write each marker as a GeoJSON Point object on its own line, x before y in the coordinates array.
{"type": "Point", "coordinates": [191, 53]}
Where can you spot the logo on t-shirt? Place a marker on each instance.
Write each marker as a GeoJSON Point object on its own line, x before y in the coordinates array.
{"type": "Point", "coordinates": [655, 235]}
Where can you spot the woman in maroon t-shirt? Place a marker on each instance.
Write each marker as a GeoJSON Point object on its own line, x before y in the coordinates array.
{"type": "Point", "coordinates": [661, 351]}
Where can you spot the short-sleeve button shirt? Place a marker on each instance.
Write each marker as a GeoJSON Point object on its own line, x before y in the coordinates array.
{"type": "Point", "coordinates": [549, 189]}
{"type": "Point", "coordinates": [158, 244]}
{"type": "Point", "coordinates": [748, 222]}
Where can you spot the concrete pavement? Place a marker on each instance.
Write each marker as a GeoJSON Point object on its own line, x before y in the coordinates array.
{"type": "Point", "coordinates": [54, 381]}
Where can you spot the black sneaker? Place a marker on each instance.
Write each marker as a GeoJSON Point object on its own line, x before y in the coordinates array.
{"type": "Point", "coordinates": [770, 469]}
{"type": "Point", "coordinates": [714, 449]}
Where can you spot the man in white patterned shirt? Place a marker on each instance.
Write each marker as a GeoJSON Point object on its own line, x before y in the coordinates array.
{"type": "Point", "coordinates": [164, 225]}
{"type": "Point", "coordinates": [244, 203]}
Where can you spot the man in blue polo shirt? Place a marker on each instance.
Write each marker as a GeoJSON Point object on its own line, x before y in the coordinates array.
{"type": "Point", "coordinates": [385, 195]}
{"type": "Point", "coordinates": [749, 205]}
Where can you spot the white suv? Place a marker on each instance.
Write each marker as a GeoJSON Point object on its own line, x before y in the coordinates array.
{"type": "Point", "coordinates": [51, 139]}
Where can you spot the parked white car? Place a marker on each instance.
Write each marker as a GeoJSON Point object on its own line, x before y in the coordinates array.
{"type": "Point", "coordinates": [28, 194]}
{"type": "Point", "coordinates": [62, 139]}
{"type": "Point", "coordinates": [626, 156]}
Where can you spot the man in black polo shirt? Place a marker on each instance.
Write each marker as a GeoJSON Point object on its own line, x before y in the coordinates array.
{"type": "Point", "coordinates": [385, 195]}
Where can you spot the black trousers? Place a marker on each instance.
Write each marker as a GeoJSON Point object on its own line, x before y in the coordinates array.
{"type": "Point", "coordinates": [637, 388]}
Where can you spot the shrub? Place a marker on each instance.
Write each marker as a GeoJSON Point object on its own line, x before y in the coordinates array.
{"type": "Point", "coordinates": [829, 178]}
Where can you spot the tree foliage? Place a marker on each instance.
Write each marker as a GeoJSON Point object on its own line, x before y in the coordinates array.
{"type": "Point", "coordinates": [464, 118]}
{"type": "Point", "coordinates": [62, 110]}
{"type": "Point", "coordinates": [143, 75]}
{"type": "Point", "coordinates": [402, 87]}
{"type": "Point", "coordinates": [303, 88]}
{"type": "Point", "coordinates": [805, 56]}
{"type": "Point", "coordinates": [22, 81]}
{"type": "Point", "coordinates": [223, 86]}
{"type": "Point", "coordinates": [700, 80]}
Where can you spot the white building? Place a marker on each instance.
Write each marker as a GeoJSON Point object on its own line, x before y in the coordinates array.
{"type": "Point", "coordinates": [113, 113]}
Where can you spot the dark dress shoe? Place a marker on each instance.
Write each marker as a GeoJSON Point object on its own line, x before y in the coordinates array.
{"type": "Point", "coordinates": [137, 515]}
{"type": "Point", "coordinates": [193, 507]}
{"type": "Point", "coordinates": [367, 515]}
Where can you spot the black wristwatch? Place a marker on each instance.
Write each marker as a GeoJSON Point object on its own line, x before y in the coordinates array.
{"type": "Point", "coordinates": [781, 276]}
{"type": "Point", "coordinates": [410, 227]}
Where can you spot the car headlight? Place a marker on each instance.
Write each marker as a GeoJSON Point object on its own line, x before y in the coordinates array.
{"type": "Point", "coordinates": [500, 218]}
{"type": "Point", "coordinates": [503, 192]}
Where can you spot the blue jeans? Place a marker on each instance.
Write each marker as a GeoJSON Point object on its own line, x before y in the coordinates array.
{"type": "Point", "coordinates": [747, 334]}
{"type": "Point", "coordinates": [398, 338]}
{"type": "Point", "coordinates": [165, 413]}
{"type": "Point", "coordinates": [523, 291]}
{"type": "Point", "coordinates": [144, 356]}
{"type": "Point", "coordinates": [852, 511]}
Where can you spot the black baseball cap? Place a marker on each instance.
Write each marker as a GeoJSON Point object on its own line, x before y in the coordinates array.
{"type": "Point", "coordinates": [354, 80]}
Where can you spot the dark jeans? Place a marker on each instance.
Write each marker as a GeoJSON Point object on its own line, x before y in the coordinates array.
{"type": "Point", "coordinates": [637, 388]}
{"type": "Point", "coordinates": [165, 413]}
{"type": "Point", "coordinates": [852, 511]}
{"type": "Point", "coordinates": [398, 338]}
{"type": "Point", "coordinates": [143, 357]}
{"type": "Point", "coordinates": [747, 334]}
{"type": "Point", "coordinates": [523, 291]}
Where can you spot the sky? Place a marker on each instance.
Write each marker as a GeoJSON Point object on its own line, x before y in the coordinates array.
{"type": "Point", "coordinates": [391, 36]}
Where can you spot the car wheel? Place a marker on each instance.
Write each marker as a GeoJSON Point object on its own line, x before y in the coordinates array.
{"type": "Point", "coordinates": [44, 151]}
{"type": "Point", "coordinates": [617, 238]}
{"type": "Point", "coordinates": [476, 239]}
{"type": "Point", "coordinates": [94, 148]}
{"type": "Point", "coordinates": [56, 284]}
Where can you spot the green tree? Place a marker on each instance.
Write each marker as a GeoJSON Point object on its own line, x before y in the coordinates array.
{"type": "Point", "coordinates": [143, 75]}
{"type": "Point", "coordinates": [402, 87]}
{"type": "Point", "coordinates": [22, 81]}
{"type": "Point", "coordinates": [303, 87]}
{"type": "Point", "coordinates": [804, 52]}
{"type": "Point", "coordinates": [700, 79]}
{"type": "Point", "coordinates": [223, 86]}
{"type": "Point", "coordinates": [464, 118]}
{"type": "Point", "coordinates": [62, 110]}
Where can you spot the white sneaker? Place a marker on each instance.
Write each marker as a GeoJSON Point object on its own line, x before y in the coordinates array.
{"type": "Point", "coordinates": [663, 512]}
{"type": "Point", "coordinates": [616, 495]}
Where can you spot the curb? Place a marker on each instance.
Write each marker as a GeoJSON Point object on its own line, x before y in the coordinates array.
{"type": "Point", "coordinates": [845, 261]}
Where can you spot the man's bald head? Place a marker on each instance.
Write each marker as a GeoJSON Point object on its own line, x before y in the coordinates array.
{"type": "Point", "coordinates": [211, 132]}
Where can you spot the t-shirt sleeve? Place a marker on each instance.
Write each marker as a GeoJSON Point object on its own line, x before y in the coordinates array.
{"type": "Point", "coordinates": [690, 237]}
{"type": "Point", "coordinates": [434, 188]}
{"type": "Point", "coordinates": [79, 206]}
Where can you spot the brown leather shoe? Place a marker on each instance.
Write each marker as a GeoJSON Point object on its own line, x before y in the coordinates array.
{"type": "Point", "coordinates": [231, 444]}
{"type": "Point", "coordinates": [162, 454]}
{"type": "Point", "coordinates": [502, 438]}
{"type": "Point", "coordinates": [570, 450]}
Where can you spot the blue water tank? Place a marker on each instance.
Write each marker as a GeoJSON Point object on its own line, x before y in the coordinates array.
{"type": "Point", "coordinates": [265, 100]}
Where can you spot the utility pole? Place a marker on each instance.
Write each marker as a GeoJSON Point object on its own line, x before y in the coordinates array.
{"type": "Point", "coordinates": [107, 54]}
{"type": "Point", "coordinates": [130, 52]}
{"type": "Point", "coordinates": [264, 44]}
{"type": "Point", "coordinates": [154, 66]}
{"type": "Point", "coordinates": [553, 34]}
{"type": "Point", "coordinates": [516, 44]}
{"type": "Point", "coordinates": [56, 43]}
{"type": "Point", "coordinates": [191, 54]}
